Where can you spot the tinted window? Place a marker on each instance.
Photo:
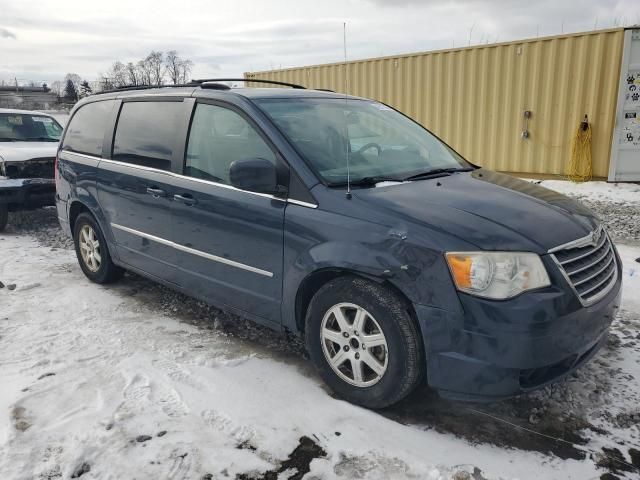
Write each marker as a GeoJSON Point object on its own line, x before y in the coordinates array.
{"type": "Point", "coordinates": [86, 130]}
{"type": "Point", "coordinates": [219, 137]}
{"type": "Point", "coordinates": [146, 132]}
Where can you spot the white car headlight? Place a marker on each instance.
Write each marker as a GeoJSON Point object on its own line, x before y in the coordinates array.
{"type": "Point", "coordinates": [497, 275]}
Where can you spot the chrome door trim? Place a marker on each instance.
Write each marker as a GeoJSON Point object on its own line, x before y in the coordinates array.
{"type": "Point", "coordinates": [301, 203]}
{"type": "Point", "coordinates": [208, 182]}
{"type": "Point", "coordinates": [64, 153]}
{"type": "Point", "coordinates": [193, 251]}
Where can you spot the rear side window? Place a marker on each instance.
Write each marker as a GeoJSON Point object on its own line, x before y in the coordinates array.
{"type": "Point", "coordinates": [145, 133]}
{"type": "Point", "coordinates": [86, 129]}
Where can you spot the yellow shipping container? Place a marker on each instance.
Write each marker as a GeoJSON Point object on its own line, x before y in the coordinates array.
{"type": "Point", "coordinates": [475, 98]}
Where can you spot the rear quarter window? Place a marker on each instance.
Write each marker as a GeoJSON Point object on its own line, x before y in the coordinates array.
{"type": "Point", "coordinates": [85, 133]}
{"type": "Point", "coordinates": [146, 132]}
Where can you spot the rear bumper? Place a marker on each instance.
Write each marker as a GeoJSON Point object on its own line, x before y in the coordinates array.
{"type": "Point", "coordinates": [496, 350]}
{"type": "Point", "coordinates": [27, 193]}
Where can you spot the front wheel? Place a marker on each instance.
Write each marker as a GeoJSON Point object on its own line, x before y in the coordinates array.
{"type": "Point", "coordinates": [4, 216]}
{"type": "Point", "coordinates": [364, 342]}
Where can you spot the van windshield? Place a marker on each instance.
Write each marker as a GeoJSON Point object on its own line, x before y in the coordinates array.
{"type": "Point", "coordinates": [22, 127]}
{"type": "Point", "coordinates": [380, 143]}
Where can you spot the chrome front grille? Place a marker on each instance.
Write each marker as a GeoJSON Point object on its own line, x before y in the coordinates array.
{"type": "Point", "coordinates": [589, 265]}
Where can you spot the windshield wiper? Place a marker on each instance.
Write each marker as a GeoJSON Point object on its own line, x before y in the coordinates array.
{"type": "Point", "coordinates": [7, 139]}
{"type": "Point", "coordinates": [366, 181]}
{"type": "Point", "coordinates": [436, 171]}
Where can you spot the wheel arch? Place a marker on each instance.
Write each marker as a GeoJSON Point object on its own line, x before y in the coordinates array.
{"type": "Point", "coordinates": [318, 278]}
{"type": "Point", "coordinates": [75, 209]}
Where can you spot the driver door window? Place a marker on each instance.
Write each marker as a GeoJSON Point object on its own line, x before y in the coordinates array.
{"type": "Point", "coordinates": [218, 137]}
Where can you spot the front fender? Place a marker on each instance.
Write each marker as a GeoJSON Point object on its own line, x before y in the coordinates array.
{"type": "Point", "coordinates": [365, 248]}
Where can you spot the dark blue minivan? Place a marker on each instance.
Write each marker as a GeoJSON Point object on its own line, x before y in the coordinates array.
{"type": "Point", "coordinates": [343, 221]}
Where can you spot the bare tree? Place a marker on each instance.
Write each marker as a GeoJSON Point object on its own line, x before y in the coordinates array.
{"type": "Point", "coordinates": [116, 76]}
{"type": "Point", "coordinates": [154, 64]}
{"type": "Point", "coordinates": [178, 69]}
{"type": "Point", "coordinates": [172, 64]}
{"type": "Point", "coordinates": [134, 76]}
{"type": "Point", "coordinates": [56, 87]}
{"type": "Point", "coordinates": [144, 70]}
{"type": "Point", "coordinates": [185, 70]}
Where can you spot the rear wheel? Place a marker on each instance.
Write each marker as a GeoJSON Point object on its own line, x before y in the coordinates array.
{"type": "Point", "coordinates": [92, 251]}
{"type": "Point", "coordinates": [364, 342]}
{"type": "Point", "coordinates": [4, 216]}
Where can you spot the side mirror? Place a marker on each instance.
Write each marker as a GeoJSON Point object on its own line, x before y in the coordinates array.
{"type": "Point", "coordinates": [256, 175]}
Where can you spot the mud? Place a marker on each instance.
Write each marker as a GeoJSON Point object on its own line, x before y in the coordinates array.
{"type": "Point", "coordinates": [296, 466]}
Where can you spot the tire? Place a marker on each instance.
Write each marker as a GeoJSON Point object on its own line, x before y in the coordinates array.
{"type": "Point", "coordinates": [4, 217]}
{"type": "Point", "coordinates": [94, 258]}
{"type": "Point", "coordinates": [396, 356]}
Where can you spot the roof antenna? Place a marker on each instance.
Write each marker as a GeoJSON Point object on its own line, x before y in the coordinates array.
{"type": "Point", "coordinates": [346, 124]}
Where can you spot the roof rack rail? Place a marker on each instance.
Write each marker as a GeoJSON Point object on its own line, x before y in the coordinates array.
{"type": "Point", "coordinates": [199, 83]}
{"type": "Point", "coordinates": [128, 88]}
{"type": "Point", "coordinates": [256, 80]}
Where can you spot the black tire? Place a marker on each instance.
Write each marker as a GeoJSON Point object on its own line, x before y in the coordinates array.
{"type": "Point", "coordinates": [4, 217]}
{"type": "Point", "coordinates": [106, 271]}
{"type": "Point", "coordinates": [405, 357]}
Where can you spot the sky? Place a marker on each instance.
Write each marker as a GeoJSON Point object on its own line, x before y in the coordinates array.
{"type": "Point", "coordinates": [43, 40]}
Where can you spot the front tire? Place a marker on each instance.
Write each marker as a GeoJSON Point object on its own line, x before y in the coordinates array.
{"type": "Point", "coordinates": [92, 251]}
{"type": "Point", "coordinates": [4, 216]}
{"type": "Point", "coordinates": [363, 341]}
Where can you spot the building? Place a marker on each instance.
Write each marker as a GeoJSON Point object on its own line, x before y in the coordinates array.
{"type": "Point", "coordinates": [511, 106]}
{"type": "Point", "coordinates": [29, 98]}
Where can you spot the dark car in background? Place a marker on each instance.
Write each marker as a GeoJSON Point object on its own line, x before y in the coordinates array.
{"type": "Point", "coordinates": [343, 221]}
{"type": "Point", "coordinates": [28, 145]}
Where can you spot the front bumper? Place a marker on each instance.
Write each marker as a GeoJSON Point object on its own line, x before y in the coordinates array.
{"type": "Point", "coordinates": [27, 193]}
{"type": "Point", "coordinates": [498, 349]}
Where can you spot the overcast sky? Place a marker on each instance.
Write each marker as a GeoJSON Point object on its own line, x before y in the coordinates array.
{"type": "Point", "coordinates": [42, 40]}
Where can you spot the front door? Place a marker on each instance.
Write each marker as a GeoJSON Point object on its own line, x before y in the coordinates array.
{"type": "Point", "coordinates": [230, 241]}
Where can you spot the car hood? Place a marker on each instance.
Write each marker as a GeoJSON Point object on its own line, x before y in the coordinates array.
{"type": "Point", "coordinates": [490, 210]}
{"type": "Point", "coordinates": [20, 151]}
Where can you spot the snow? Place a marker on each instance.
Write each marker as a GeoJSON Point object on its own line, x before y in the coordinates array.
{"type": "Point", "coordinates": [121, 369]}
{"type": "Point", "coordinates": [87, 369]}
{"type": "Point", "coordinates": [630, 277]}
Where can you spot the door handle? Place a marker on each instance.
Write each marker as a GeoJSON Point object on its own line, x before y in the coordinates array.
{"type": "Point", "coordinates": [156, 192]}
{"type": "Point", "coordinates": [187, 199]}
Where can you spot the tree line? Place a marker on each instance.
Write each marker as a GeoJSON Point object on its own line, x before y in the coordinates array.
{"type": "Point", "coordinates": [157, 68]}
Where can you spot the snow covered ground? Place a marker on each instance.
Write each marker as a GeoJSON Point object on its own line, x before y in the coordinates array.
{"type": "Point", "coordinates": [135, 381]}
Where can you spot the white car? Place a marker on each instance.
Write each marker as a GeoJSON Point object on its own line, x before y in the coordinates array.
{"type": "Point", "coordinates": [28, 146]}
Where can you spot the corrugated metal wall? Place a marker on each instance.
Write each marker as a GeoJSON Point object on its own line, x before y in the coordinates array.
{"type": "Point", "coordinates": [474, 98]}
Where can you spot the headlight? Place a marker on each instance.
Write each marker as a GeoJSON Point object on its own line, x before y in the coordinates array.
{"type": "Point", "coordinates": [497, 275]}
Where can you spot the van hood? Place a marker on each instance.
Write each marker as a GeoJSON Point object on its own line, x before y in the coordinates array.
{"type": "Point", "coordinates": [490, 210]}
{"type": "Point", "coordinates": [21, 151]}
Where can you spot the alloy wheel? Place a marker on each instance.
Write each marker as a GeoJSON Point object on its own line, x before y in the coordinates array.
{"type": "Point", "coordinates": [354, 344]}
{"type": "Point", "coordinates": [90, 248]}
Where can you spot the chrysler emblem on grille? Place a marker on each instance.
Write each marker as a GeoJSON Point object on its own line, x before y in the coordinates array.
{"type": "Point", "coordinates": [594, 237]}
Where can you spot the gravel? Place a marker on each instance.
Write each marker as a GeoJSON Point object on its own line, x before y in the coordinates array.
{"type": "Point", "coordinates": [622, 220]}
{"type": "Point", "coordinates": [42, 224]}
